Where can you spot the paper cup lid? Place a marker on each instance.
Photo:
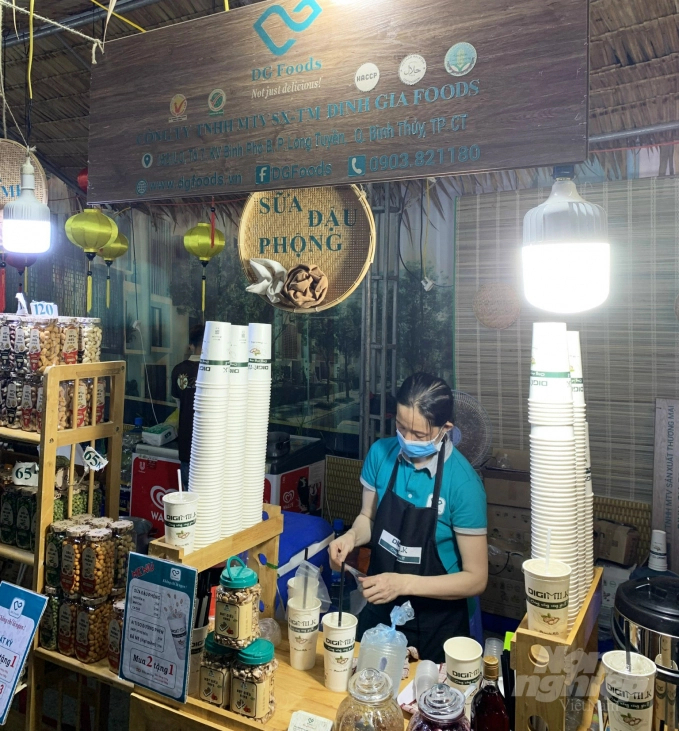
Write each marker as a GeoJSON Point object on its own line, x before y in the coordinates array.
{"type": "Point", "coordinates": [259, 652]}
{"type": "Point", "coordinates": [239, 578]}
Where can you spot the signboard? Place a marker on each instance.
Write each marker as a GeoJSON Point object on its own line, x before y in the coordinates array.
{"type": "Point", "coordinates": [666, 477]}
{"type": "Point", "coordinates": [300, 93]}
{"type": "Point", "coordinates": [20, 613]}
{"type": "Point", "coordinates": [158, 621]}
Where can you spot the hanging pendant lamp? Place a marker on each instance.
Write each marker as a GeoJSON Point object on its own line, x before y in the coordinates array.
{"type": "Point", "coordinates": [566, 254]}
{"type": "Point", "coordinates": [204, 241]}
{"type": "Point", "coordinates": [114, 249]}
{"type": "Point", "coordinates": [90, 231]}
{"type": "Point", "coordinates": [21, 262]}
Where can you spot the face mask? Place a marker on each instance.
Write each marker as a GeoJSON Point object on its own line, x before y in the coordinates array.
{"type": "Point", "coordinates": [414, 449]}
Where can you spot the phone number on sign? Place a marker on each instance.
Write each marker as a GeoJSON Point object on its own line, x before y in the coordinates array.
{"type": "Point", "coordinates": [422, 158]}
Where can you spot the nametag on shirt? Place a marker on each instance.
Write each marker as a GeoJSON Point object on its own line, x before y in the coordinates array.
{"type": "Point", "coordinates": [404, 554]}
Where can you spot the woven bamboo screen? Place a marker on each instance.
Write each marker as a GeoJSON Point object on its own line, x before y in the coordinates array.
{"type": "Point", "coordinates": [630, 345]}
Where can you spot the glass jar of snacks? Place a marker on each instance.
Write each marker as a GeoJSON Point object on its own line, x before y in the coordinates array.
{"type": "Point", "coordinates": [101, 522]}
{"type": "Point", "coordinates": [252, 689]}
{"type": "Point", "coordinates": [43, 344]}
{"type": "Point", "coordinates": [12, 407]}
{"type": "Point", "coordinates": [90, 340]}
{"type": "Point", "coordinates": [25, 510]}
{"type": "Point", "coordinates": [29, 401]}
{"type": "Point", "coordinates": [82, 518]}
{"type": "Point", "coordinates": [215, 673]}
{"type": "Point", "coordinates": [370, 704]}
{"type": "Point", "coordinates": [49, 624]}
{"type": "Point", "coordinates": [8, 507]}
{"type": "Point", "coordinates": [60, 504]}
{"type": "Point", "coordinates": [6, 354]}
{"type": "Point", "coordinates": [79, 502]}
{"type": "Point", "coordinates": [91, 630]}
{"type": "Point", "coordinates": [69, 334]}
{"type": "Point", "coordinates": [115, 635]}
{"type": "Point", "coordinates": [237, 609]}
{"type": "Point", "coordinates": [38, 406]}
{"type": "Point", "coordinates": [84, 403]}
{"type": "Point", "coordinates": [22, 337]}
{"type": "Point", "coordinates": [101, 400]}
{"type": "Point", "coordinates": [65, 405]}
{"type": "Point", "coordinates": [68, 613]}
{"type": "Point", "coordinates": [55, 538]}
{"type": "Point", "coordinates": [71, 551]}
{"type": "Point", "coordinates": [124, 539]}
{"type": "Point", "coordinates": [96, 575]}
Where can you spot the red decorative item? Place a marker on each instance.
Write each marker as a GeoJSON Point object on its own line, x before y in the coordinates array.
{"type": "Point", "coordinates": [82, 179]}
{"type": "Point", "coordinates": [20, 262]}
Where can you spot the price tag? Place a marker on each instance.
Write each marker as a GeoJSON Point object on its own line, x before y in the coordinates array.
{"type": "Point", "coordinates": [25, 473]}
{"type": "Point", "coordinates": [94, 460]}
{"type": "Point", "coordinates": [48, 309]}
{"type": "Point", "coordinates": [20, 613]}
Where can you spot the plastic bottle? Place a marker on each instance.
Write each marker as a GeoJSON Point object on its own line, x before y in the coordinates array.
{"type": "Point", "coordinates": [130, 441]}
{"type": "Point", "coordinates": [657, 559]}
{"type": "Point", "coordinates": [338, 528]}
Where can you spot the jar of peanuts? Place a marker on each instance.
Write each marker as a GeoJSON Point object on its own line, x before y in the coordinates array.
{"type": "Point", "coordinates": [115, 635]}
{"type": "Point", "coordinates": [68, 614]}
{"type": "Point", "coordinates": [124, 539]}
{"type": "Point", "coordinates": [97, 564]}
{"type": "Point", "coordinates": [90, 340]}
{"type": "Point", "coordinates": [71, 551]}
{"type": "Point", "coordinates": [91, 629]}
{"type": "Point", "coordinates": [69, 335]}
{"type": "Point", "coordinates": [43, 344]}
{"type": "Point", "coordinates": [101, 400]}
{"type": "Point", "coordinates": [65, 405]}
{"type": "Point", "coordinates": [252, 691]}
{"type": "Point", "coordinates": [22, 336]}
{"type": "Point", "coordinates": [84, 403]}
{"type": "Point", "coordinates": [237, 608]}
{"type": "Point", "coordinates": [55, 538]}
{"type": "Point", "coordinates": [29, 401]}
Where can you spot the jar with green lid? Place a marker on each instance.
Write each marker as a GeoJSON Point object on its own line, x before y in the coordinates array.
{"type": "Point", "coordinates": [215, 673]}
{"type": "Point", "coordinates": [49, 624]}
{"type": "Point", "coordinates": [115, 635]}
{"type": "Point", "coordinates": [8, 506]}
{"type": "Point", "coordinates": [91, 629]}
{"type": "Point", "coordinates": [252, 674]}
{"type": "Point", "coordinates": [68, 613]}
{"type": "Point", "coordinates": [71, 551]}
{"type": "Point", "coordinates": [237, 606]}
{"type": "Point", "coordinates": [124, 539]}
{"type": "Point", "coordinates": [55, 538]}
{"type": "Point", "coordinates": [96, 575]}
{"type": "Point", "coordinates": [25, 509]}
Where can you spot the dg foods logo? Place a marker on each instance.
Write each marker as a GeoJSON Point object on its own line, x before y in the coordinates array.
{"type": "Point", "coordinates": [294, 26]}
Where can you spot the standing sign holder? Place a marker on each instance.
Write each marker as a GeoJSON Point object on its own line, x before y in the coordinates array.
{"type": "Point", "coordinates": [156, 642]}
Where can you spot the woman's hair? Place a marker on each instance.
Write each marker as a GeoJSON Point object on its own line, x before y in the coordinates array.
{"type": "Point", "coordinates": [430, 395]}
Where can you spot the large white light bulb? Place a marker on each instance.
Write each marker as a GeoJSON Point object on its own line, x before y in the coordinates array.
{"type": "Point", "coordinates": [26, 225]}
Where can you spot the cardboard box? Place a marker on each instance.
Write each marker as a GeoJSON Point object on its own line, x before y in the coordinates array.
{"type": "Point", "coordinates": [614, 575]}
{"type": "Point", "coordinates": [666, 477]}
{"type": "Point", "coordinates": [510, 539]}
{"type": "Point", "coordinates": [505, 598]}
{"type": "Point", "coordinates": [505, 516]}
{"type": "Point", "coordinates": [505, 564]}
{"type": "Point", "coordinates": [509, 487]}
{"type": "Point", "coordinates": [615, 542]}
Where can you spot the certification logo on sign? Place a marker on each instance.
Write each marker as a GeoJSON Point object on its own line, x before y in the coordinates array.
{"type": "Point", "coordinates": [158, 623]}
{"type": "Point", "coordinates": [20, 613]}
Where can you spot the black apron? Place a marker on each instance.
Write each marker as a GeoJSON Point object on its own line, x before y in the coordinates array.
{"type": "Point", "coordinates": [404, 542]}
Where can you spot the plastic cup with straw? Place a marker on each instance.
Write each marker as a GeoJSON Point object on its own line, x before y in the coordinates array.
{"type": "Point", "coordinates": [339, 638]}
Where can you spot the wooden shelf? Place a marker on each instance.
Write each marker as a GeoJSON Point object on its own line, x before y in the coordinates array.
{"type": "Point", "coordinates": [98, 670]}
{"type": "Point", "coordinates": [17, 554]}
{"type": "Point", "coordinates": [19, 435]}
{"type": "Point", "coordinates": [216, 553]}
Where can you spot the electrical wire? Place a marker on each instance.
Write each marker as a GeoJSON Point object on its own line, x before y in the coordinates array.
{"type": "Point", "coordinates": [31, 10]}
{"type": "Point", "coordinates": [141, 337]}
{"type": "Point", "coordinates": [398, 232]}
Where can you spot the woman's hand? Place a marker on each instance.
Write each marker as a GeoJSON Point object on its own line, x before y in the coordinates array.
{"type": "Point", "coordinates": [340, 548]}
{"type": "Point", "coordinates": [383, 588]}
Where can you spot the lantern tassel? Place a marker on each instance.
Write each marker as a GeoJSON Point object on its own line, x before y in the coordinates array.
{"type": "Point", "coordinates": [203, 293]}
{"type": "Point", "coordinates": [89, 286]}
{"type": "Point", "coordinates": [3, 271]}
{"type": "Point", "coordinates": [108, 283]}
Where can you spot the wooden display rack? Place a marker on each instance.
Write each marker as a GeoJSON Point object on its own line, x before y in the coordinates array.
{"type": "Point", "coordinates": [49, 439]}
{"type": "Point", "coordinates": [552, 674]}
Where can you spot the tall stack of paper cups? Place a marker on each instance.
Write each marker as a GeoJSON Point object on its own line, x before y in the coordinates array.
{"type": "Point", "coordinates": [206, 473]}
{"type": "Point", "coordinates": [234, 463]}
{"type": "Point", "coordinates": [256, 428]}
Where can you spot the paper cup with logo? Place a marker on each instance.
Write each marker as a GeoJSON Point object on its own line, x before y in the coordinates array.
{"type": "Point", "coordinates": [547, 590]}
{"type": "Point", "coordinates": [180, 519]}
{"type": "Point", "coordinates": [259, 352]}
{"type": "Point", "coordinates": [303, 631]}
{"type": "Point", "coordinates": [338, 650]}
{"type": "Point", "coordinates": [177, 622]}
{"type": "Point", "coordinates": [463, 665]}
{"type": "Point", "coordinates": [630, 694]}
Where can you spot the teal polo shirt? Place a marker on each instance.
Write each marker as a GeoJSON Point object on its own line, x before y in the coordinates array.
{"type": "Point", "coordinates": [462, 503]}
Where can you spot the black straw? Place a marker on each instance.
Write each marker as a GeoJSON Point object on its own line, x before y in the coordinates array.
{"type": "Point", "coordinates": [628, 648]}
{"type": "Point", "coordinates": [341, 596]}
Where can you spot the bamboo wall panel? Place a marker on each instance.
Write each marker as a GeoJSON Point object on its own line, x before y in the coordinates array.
{"type": "Point", "coordinates": [630, 345]}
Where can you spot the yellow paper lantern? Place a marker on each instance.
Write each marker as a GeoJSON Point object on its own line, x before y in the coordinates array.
{"type": "Point", "coordinates": [200, 242]}
{"type": "Point", "coordinates": [114, 249]}
{"type": "Point", "coordinates": [90, 231]}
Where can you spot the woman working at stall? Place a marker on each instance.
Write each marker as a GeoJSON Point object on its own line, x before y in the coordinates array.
{"type": "Point", "coordinates": [424, 514]}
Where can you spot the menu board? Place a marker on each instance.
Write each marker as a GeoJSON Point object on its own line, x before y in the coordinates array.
{"type": "Point", "coordinates": [20, 613]}
{"type": "Point", "coordinates": [321, 92]}
{"type": "Point", "coordinates": [155, 649]}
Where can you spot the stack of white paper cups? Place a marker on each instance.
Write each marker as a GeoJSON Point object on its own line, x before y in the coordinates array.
{"type": "Point", "coordinates": [589, 513]}
{"type": "Point", "coordinates": [552, 452]}
{"type": "Point", "coordinates": [232, 514]}
{"type": "Point", "coordinates": [206, 475]}
{"type": "Point", "coordinates": [259, 400]}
